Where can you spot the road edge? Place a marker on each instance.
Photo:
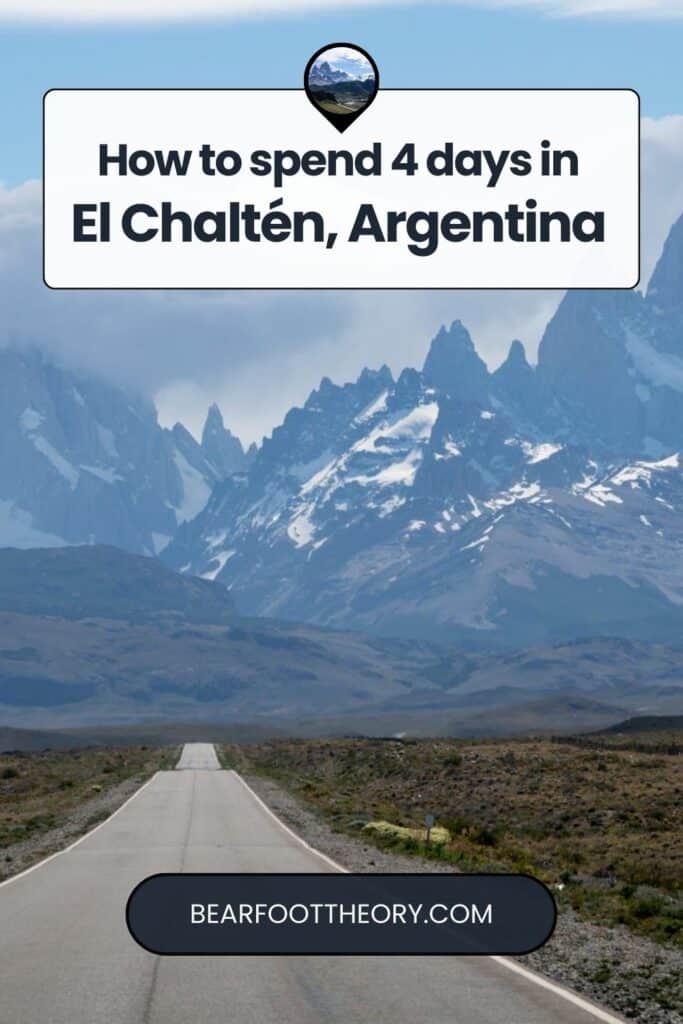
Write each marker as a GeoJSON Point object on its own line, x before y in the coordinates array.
{"type": "Point", "coordinates": [77, 842]}
{"type": "Point", "coordinates": [598, 1012]}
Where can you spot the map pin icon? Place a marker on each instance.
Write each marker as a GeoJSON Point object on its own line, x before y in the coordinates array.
{"type": "Point", "coordinates": [341, 81]}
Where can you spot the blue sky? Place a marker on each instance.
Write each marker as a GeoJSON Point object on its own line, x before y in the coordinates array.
{"type": "Point", "coordinates": [414, 45]}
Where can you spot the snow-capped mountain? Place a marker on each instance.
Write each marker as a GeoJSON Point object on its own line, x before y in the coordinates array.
{"type": "Point", "coordinates": [322, 73]}
{"type": "Point", "coordinates": [493, 509]}
{"type": "Point", "coordinates": [84, 462]}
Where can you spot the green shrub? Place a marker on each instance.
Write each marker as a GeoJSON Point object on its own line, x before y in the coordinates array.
{"type": "Point", "coordinates": [647, 906]}
{"type": "Point", "coordinates": [484, 836]}
{"type": "Point", "coordinates": [602, 974]}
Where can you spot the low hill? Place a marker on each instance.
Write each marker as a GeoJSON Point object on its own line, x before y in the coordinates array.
{"type": "Point", "coordinates": [95, 635]}
{"type": "Point", "coordinates": [37, 739]}
{"type": "Point", "coordinates": [154, 734]}
{"type": "Point", "coordinates": [649, 723]}
{"type": "Point", "coordinates": [102, 581]}
{"type": "Point", "coordinates": [653, 734]}
{"type": "Point", "coordinates": [92, 636]}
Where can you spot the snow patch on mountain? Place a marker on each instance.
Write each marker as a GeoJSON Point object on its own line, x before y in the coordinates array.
{"type": "Point", "coordinates": [518, 492]}
{"type": "Point", "coordinates": [309, 473]}
{"type": "Point", "coordinates": [88, 462]}
{"type": "Point", "coordinates": [31, 419]}
{"type": "Point", "coordinates": [106, 438]}
{"type": "Point", "coordinates": [160, 542]}
{"type": "Point", "coordinates": [18, 531]}
{"type": "Point", "coordinates": [402, 472]}
{"type": "Point", "coordinates": [107, 474]}
{"type": "Point", "coordinates": [540, 452]}
{"type": "Point", "coordinates": [301, 530]}
{"type": "Point", "coordinates": [417, 425]}
{"type": "Point", "coordinates": [601, 495]}
{"type": "Point", "coordinates": [661, 369]}
{"type": "Point", "coordinates": [450, 451]}
{"type": "Point", "coordinates": [218, 564]}
{"type": "Point", "coordinates": [504, 509]}
{"type": "Point", "coordinates": [386, 508]}
{"type": "Point", "coordinates": [56, 459]}
{"type": "Point", "coordinates": [642, 472]}
{"type": "Point", "coordinates": [375, 407]}
{"type": "Point", "coordinates": [196, 490]}
{"type": "Point", "coordinates": [413, 426]}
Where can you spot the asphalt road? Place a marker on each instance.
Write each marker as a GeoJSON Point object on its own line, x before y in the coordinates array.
{"type": "Point", "coordinates": [198, 757]}
{"type": "Point", "coordinates": [66, 956]}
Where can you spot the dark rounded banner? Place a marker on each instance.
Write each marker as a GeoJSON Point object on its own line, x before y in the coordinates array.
{"type": "Point", "coordinates": [340, 914]}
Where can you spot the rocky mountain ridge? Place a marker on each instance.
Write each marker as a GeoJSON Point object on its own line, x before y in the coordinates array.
{"type": "Point", "coordinates": [82, 461]}
{"type": "Point", "coordinates": [495, 510]}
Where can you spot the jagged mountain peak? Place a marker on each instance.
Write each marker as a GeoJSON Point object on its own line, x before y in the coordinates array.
{"type": "Point", "coordinates": [214, 425]}
{"type": "Point", "coordinates": [662, 319]}
{"type": "Point", "coordinates": [517, 354]}
{"type": "Point", "coordinates": [453, 364]}
{"type": "Point", "coordinates": [409, 384]}
{"type": "Point", "coordinates": [516, 385]}
{"type": "Point", "coordinates": [182, 434]}
{"type": "Point", "coordinates": [214, 419]}
{"type": "Point", "coordinates": [84, 461]}
{"type": "Point", "coordinates": [325, 390]}
{"type": "Point", "coordinates": [515, 367]}
{"type": "Point", "coordinates": [614, 362]}
{"type": "Point", "coordinates": [665, 284]}
{"type": "Point", "coordinates": [341, 397]}
{"type": "Point", "coordinates": [497, 509]}
{"type": "Point", "coordinates": [583, 315]}
{"type": "Point", "coordinates": [220, 447]}
{"type": "Point", "coordinates": [449, 339]}
{"type": "Point", "coordinates": [383, 376]}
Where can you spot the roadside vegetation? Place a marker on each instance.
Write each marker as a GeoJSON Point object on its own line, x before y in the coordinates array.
{"type": "Point", "coordinates": [42, 791]}
{"type": "Point", "coordinates": [602, 824]}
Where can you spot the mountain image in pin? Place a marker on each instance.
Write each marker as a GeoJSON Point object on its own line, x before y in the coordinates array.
{"type": "Point", "coordinates": [341, 81]}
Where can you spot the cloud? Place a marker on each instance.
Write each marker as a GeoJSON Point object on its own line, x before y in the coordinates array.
{"type": "Point", "coordinates": [593, 8]}
{"type": "Point", "coordinates": [169, 10]}
{"type": "Point", "coordinates": [258, 353]}
{"type": "Point", "coordinates": [21, 206]}
{"type": "Point", "coordinates": [162, 10]}
{"type": "Point", "coordinates": [345, 53]}
{"type": "Point", "coordinates": [255, 353]}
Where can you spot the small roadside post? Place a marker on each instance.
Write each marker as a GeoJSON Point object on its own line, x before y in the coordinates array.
{"type": "Point", "coordinates": [429, 823]}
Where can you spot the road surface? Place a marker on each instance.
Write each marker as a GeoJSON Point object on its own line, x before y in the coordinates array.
{"type": "Point", "coordinates": [198, 757]}
{"type": "Point", "coordinates": [66, 956]}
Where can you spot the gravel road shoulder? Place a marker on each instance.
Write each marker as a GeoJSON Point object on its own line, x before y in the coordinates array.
{"type": "Point", "coordinates": [22, 855]}
{"type": "Point", "coordinates": [628, 974]}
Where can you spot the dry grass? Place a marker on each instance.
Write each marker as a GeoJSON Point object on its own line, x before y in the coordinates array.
{"type": "Point", "coordinates": [38, 791]}
{"type": "Point", "coordinates": [604, 824]}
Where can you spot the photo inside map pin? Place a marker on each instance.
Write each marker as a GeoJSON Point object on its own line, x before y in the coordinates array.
{"type": "Point", "coordinates": [341, 81]}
